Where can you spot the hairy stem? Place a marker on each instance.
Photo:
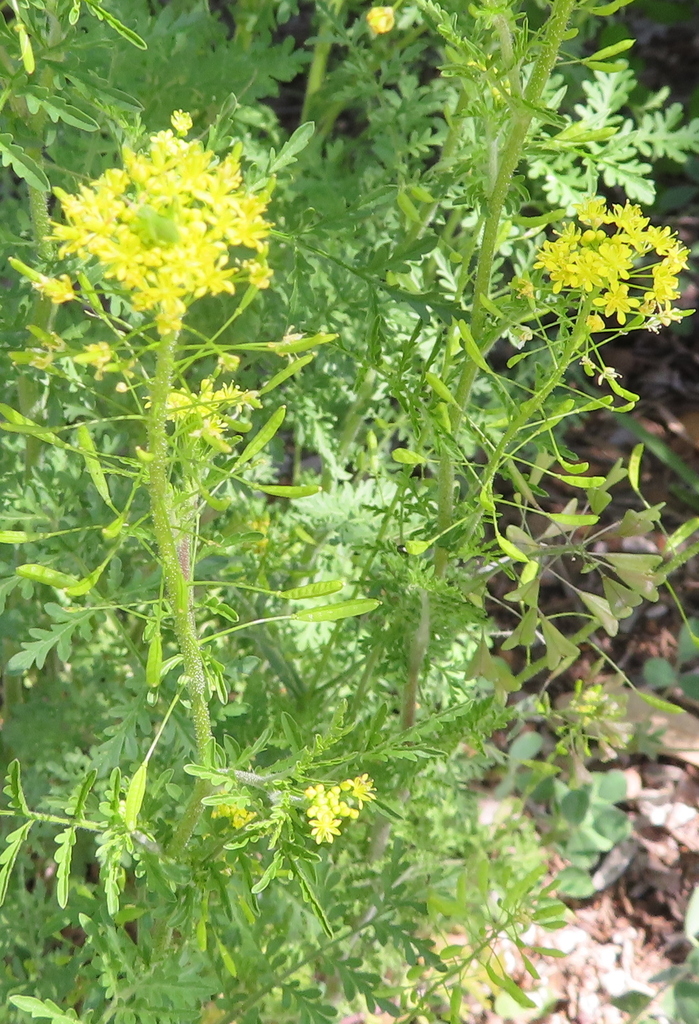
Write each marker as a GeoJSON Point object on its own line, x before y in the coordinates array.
{"type": "Point", "coordinates": [176, 576]}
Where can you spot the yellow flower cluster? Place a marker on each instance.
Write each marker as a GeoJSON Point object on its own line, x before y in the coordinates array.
{"type": "Point", "coordinates": [203, 410]}
{"type": "Point", "coordinates": [619, 267]}
{"type": "Point", "coordinates": [163, 226]}
{"type": "Point", "coordinates": [329, 806]}
{"type": "Point", "coordinates": [238, 816]}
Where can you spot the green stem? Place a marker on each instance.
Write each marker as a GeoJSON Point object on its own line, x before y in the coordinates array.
{"type": "Point", "coordinates": [319, 63]}
{"type": "Point", "coordinates": [176, 575]}
{"type": "Point", "coordinates": [509, 157]}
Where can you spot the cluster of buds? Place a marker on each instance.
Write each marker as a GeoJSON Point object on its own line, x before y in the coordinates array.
{"type": "Point", "coordinates": [328, 807]}
{"type": "Point", "coordinates": [239, 817]}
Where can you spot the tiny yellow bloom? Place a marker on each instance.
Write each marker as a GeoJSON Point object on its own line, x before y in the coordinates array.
{"type": "Point", "coordinates": [595, 322]}
{"type": "Point", "coordinates": [181, 121]}
{"type": "Point", "coordinates": [58, 289]}
{"type": "Point", "coordinates": [381, 19]}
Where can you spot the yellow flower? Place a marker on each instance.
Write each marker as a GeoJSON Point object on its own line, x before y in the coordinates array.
{"type": "Point", "coordinates": [362, 789]}
{"type": "Point", "coordinates": [163, 226]}
{"type": "Point", "coordinates": [181, 121]}
{"type": "Point", "coordinates": [593, 212]}
{"type": "Point", "coordinates": [381, 19]}
{"type": "Point", "coordinates": [617, 300]}
{"type": "Point", "coordinates": [99, 355]}
{"type": "Point", "coordinates": [58, 289]}
{"type": "Point", "coordinates": [595, 322]}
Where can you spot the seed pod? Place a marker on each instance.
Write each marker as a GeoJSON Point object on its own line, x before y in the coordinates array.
{"type": "Point", "coordinates": [42, 574]}
{"type": "Point", "coordinates": [154, 662]}
{"type": "Point", "coordinates": [134, 797]}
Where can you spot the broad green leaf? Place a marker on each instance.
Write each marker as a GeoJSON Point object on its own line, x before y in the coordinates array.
{"type": "Point", "coordinates": [635, 524]}
{"type": "Point", "coordinates": [622, 601]}
{"type": "Point", "coordinates": [601, 611]}
{"type": "Point", "coordinates": [418, 547]}
{"type": "Point", "coordinates": [319, 589]}
{"type": "Point", "coordinates": [575, 882]}
{"type": "Point", "coordinates": [558, 647]}
{"type": "Point", "coordinates": [525, 632]}
{"type": "Point", "coordinates": [263, 436]}
{"type": "Point", "coordinates": [341, 610]}
{"type": "Point", "coordinates": [407, 458]}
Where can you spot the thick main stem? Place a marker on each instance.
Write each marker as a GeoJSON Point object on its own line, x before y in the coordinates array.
{"type": "Point", "coordinates": [176, 579]}
{"type": "Point", "coordinates": [509, 158]}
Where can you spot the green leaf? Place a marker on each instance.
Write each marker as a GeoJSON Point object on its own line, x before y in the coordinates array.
{"type": "Point", "coordinates": [65, 841]}
{"type": "Point", "coordinates": [24, 167]}
{"type": "Point", "coordinates": [263, 436]}
{"type": "Point", "coordinates": [341, 610]}
{"type": "Point", "coordinates": [287, 154]}
{"type": "Point", "coordinates": [95, 7]}
{"type": "Point", "coordinates": [510, 549]}
{"type": "Point", "coordinates": [509, 986]}
{"type": "Point", "coordinates": [687, 1000]}
{"type": "Point", "coordinates": [574, 882]}
{"type": "Point", "coordinates": [407, 458]}
{"type": "Point", "coordinates": [9, 855]}
{"type": "Point", "coordinates": [17, 537]}
{"type": "Point", "coordinates": [635, 467]}
{"type": "Point", "coordinates": [19, 424]}
{"type": "Point", "coordinates": [575, 805]}
{"type": "Point", "coordinates": [418, 547]}
{"type": "Point", "coordinates": [601, 610]}
{"type": "Point", "coordinates": [40, 1008]}
{"type": "Point", "coordinates": [13, 787]}
{"type": "Point", "coordinates": [319, 589]}
{"type": "Point", "coordinates": [58, 110]}
{"type": "Point", "coordinates": [558, 647]}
